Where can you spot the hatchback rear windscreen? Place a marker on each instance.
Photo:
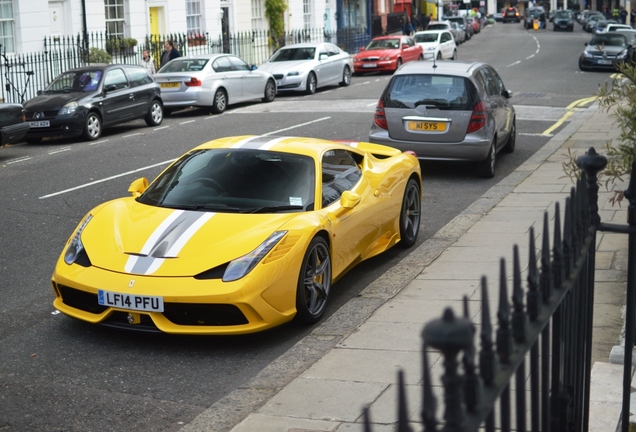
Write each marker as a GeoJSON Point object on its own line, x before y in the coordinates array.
{"type": "Point", "coordinates": [435, 91]}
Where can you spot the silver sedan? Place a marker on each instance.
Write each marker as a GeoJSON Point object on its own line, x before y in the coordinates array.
{"type": "Point", "coordinates": [212, 80]}
{"type": "Point", "coordinates": [307, 66]}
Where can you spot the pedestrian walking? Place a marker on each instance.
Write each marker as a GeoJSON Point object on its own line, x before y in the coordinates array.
{"type": "Point", "coordinates": [170, 53]}
{"type": "Point", "coordinates": [623, 15]}
{"type": "Point", "coordinates": [424, 21]}
{"type": "Point", "coordinates": [147, 62]}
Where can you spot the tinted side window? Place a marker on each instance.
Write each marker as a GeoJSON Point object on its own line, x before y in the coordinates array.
{"type": "Point", "coordinates": [340, 173]}
{"type": "Point", "coordinates": [222, 64]}
{"type": "Point", "coordinates": [498, 82]}
{"type": "Point", "coordinates": [489, 82]}
{"type": "Point", "coordinates": [138, 77]}
{"type": "Point", "coordinates": [117, 78]}
{"type": "Point", "coordinates": [238, 64]}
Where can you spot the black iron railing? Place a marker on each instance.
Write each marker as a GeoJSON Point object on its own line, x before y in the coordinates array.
{"type": "Point", "coordinates": [22, 75]}
{"type": "Point", "coordinates": [544, 341]}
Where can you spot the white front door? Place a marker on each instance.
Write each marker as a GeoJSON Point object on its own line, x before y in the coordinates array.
{"type": "Point", "coordinates": [56, 18]}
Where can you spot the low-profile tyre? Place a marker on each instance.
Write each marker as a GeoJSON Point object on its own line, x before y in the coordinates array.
{"type": "Point", "coordinates": [410, 214]}
{"type": "Point", "coordinates": [314, 282]}
{"type": "Point", "coordinates": [33, 140]}
{"type": "Point", "coordinates": [454, 57]}
{"type": "Point", "coordinates": [155, 115]}
{"type": "Point", "coordinates": [581, 67]}
{"type": "Point", "coordinates": [219, 104]}
{"type": "Point", "coordinates": [439, 56]}
{"type": "Point", "coordinates": [487, 166]}
{"type": "Point", "coordinates": [346, 77]}
{"type": "Point", "coordinates": [421, 57]}
{"type": "Point", "coordinates": [512, 139]}
{"type": "Point", "coordinates": [398, 63]}
{"type": "Point", "coordinates": [270, 91]}
{"type": "Point", "coordinates": [92, 126]}
{"type": "Point", "coordinates": [312, 83]}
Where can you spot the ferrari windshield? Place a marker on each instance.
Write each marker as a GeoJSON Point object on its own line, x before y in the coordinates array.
{"type": "Point", "coordinates": [235, 180]}
{"type": "Point", "coordinates": [75, 81]}
{"type": "Point", "coordinates": [292, 54]}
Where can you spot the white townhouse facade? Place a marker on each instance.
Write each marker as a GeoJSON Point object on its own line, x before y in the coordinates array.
{"type": "Point", "coordinates": [25, 23]}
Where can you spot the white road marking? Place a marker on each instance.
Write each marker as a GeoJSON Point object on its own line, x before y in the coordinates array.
{"type": "Point", "coordinates": [515, 63]}
{"type": "Point", "coordinates": [296, 126]}
{"type": "Point", "coordinates": [22, 159]}
{"type": "Point", "coordinates": [186, 122]}
{"type": "Point", "coordinates": [60, 150]}
{"type": "Point", "coordinates": [106, 179]}
{"type": "Point", "coordinates": [131, 135]}
{"type": "Point", "coordinates": [161, 127]}
{"type": "Point", "coordinates": [97, 142]}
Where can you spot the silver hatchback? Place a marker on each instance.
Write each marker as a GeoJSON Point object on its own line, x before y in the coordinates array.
{"type": "Point", "coordinates": [447, 111]}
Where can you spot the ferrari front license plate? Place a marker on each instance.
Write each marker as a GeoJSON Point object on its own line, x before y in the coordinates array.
{"type": "Point", "coordinates": [130, 301]}
{"type": "Point", "coordinates": [37, 124]}
{"type": "Point", "coordinates": [169, 85]}
{"type": "Point", "coordinates": [419, 126]}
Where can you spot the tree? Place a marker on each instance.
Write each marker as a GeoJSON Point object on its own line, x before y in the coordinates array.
{"type": "Point", "coordinates": [274, 10]}
{"type": "Point", "coordinates": [619, 95]}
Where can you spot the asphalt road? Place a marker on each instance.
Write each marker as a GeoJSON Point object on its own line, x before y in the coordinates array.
{"type": "Point", "coordinates": [57, 374]}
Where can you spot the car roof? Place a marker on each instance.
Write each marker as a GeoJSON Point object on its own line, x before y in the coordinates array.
{"type": "Point", "coordinates": [304, 45]}
{"type": "Point", "coordinates": [388, 37]}
{"type": "Point", "coordinates": [312, 147]}
{"type": "Point", "coordinates": [435, 31]}
{"type": "Point", "coordinates": [463, 69]}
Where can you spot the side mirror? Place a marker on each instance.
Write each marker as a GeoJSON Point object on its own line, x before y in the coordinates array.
{"type": "Point", "coordinates": [361, 48]}
{"type": "Point", "coordinates": [137, 187]}
{"type": "Point", "coordinates": [323, 56]}
{"type": "Point", "coordinates": [254, 67]}
{"type": "Point", "coordinates": [349, 199]}
{"type": "Point", "coordinates": [110, 88]}
{"type": "Point", "coordinates": [507, 94]}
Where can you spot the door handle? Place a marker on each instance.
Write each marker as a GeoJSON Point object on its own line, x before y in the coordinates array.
{"type": "Point", "coordinates": [131, 96]}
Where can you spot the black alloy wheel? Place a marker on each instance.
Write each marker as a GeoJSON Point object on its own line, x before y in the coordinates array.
{"type": "Point", "coordinates": [410, 215]}
{"type": "Point", "coordinates": [314, 282]}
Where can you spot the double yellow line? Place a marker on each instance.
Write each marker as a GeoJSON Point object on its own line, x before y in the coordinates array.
{"type": "Point", "coordinates": [570, 110]}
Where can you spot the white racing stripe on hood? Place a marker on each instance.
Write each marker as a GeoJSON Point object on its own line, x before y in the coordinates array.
{"type": "Point", "coordinates": [166, 241]}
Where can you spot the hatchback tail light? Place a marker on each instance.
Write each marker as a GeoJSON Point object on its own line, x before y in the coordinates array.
{"type": "Point", "coordinates": [380, 118]}
{"type": "Point", "coordinates": [194, 82]}
{"type": "Point", "coordinates": [478, 117]}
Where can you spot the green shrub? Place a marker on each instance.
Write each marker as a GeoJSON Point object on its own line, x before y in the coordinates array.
{"type": "Point", "coordinates": [97, 55]}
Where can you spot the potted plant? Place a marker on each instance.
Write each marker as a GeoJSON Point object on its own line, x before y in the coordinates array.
{"type": "Point", "coordinates": [196, 39]}
{"type": "Point", "coordinates": [116, 45]}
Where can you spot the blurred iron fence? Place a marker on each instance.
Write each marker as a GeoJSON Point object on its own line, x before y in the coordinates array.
{"type": "Point", "coordinates": [22, 75]}
{"type": "Point", "coordinates": [548, 327]}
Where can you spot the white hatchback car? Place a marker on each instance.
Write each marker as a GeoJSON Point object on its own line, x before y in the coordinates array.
{"type": "Point", "coordinates": [437, 44]}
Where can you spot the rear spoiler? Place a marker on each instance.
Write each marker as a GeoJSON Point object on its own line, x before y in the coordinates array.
{"type": "Point", "coordinates": [378, 150]}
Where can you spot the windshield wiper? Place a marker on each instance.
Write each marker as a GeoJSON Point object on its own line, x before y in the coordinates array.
{"type": "Point", "coordinates": [273, 209]}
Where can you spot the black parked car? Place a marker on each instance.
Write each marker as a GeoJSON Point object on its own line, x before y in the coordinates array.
{"type": "Point", "coordinates": [13, 128]}
{"type": "Point", "coordinates": [82, 101]}
{"type": "Point", "coordinates": [563, 20]}
{"type": "Point", "coordinates": [606, 51]}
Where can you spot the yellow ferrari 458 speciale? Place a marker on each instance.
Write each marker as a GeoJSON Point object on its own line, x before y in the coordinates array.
{"type": "Point", "coordinates": [238, 235]}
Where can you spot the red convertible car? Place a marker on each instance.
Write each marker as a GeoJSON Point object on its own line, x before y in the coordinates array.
{"type": "Point", "coordinates": [386, 54]}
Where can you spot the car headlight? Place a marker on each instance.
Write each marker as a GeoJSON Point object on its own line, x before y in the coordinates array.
{"type": "Point", "coordinates": [243, 265]}
{"type": "Point", "coordinates": [430, 48]}
{"type": "Point", "coordinates": [386, 58]}
{"type": "Point", "coordinates": [69, 108]}
{"type": "Point", "coordinates": [75, 247]}
{"type": "Point", "coordinates": [622, 55]}
{"type": "Point", "coordinates": [294, 73]}
{"type": "Point", "coordinates": [587, 54]}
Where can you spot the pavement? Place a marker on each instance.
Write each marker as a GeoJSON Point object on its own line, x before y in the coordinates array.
{"type": "Point", "coordinates": [351, 360]}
